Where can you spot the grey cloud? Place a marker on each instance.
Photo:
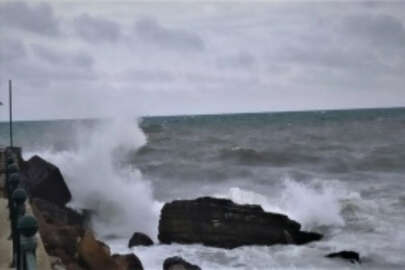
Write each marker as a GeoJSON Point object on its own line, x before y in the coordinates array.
{"type": "Point", "coordinates": [77, 59]}
{"type": "Point", "coordinates": [38, 18]}
{"type": "Point", "coordinates": [332, 57]}
{"type": "Point", "coordinates": [141, 75]}
{"type": "Point", "coordinates": [43, 67]}
{"type": "Point", "coordinates": [34, 74]}
{"type": "Point", "coordinates": [152, 32]}
{"type": "Point", "coordinates": [380, 30]}
{"type": "Point", "coordinates": [94, 29]}
{"type": "Point", "coordinates": [241, 59]}
{"type": "Point", "coordinates": [10, 50]}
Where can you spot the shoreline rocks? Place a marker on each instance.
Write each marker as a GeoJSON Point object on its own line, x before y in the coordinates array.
{"type": "Point", "coordinates": [64, 231]}
{"type": "Point", "coordinates": [223, 223]}
{"type": "Point", "coordinates": [96, 255]}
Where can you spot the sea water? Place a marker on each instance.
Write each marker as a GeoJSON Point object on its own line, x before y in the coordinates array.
{"type": "Point", "coordinates": [340, 173]}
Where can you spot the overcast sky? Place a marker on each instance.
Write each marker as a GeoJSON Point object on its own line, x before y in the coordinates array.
{"type": "Point", "coordinates": [70, 59]}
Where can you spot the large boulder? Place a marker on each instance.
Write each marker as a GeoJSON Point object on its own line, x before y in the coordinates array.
{"type": "Point", "coordinates": [178, 263]}
{"type": "Point", "coordinates": [222, 223]}
{"type": "Point", "coordinates": [139, 239]}
{"type": "Point", "coordinates": [44, 180]}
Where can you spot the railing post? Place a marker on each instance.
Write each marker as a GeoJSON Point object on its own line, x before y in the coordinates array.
{"type": "Point", "coordinates": [19, 198]}
{"type": "Point", "coordinates": [27, 228]}
{"type": "Point", "coordinates": [9, 161]}
{"type": "Point", "coordinates": [11, 170]}
{"type": "Point", "coordinates": [12, 184]}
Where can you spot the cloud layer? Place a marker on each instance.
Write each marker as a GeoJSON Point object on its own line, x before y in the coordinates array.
{"type": "Point", "coordinates": [67, 60]}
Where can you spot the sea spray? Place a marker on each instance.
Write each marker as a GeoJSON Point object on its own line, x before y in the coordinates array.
{"type": "Point", "coordinates": [308, 203]}
{"type": "Point", "coordinates": [121, 200]}
{"type": "Point", "coordinates": [312, 205]}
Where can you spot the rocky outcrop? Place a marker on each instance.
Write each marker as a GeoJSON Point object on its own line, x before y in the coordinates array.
{"type": "Point", "coordinates": [44, 180]}
{"type": "Point", "coordinates": [60, 228]}
{"type": "Point", "coordinates": [139, 239]}
{"type": "Point", "coordinates": [95, 255]}
{"type": "Point", "coordinates": [349, 255]}
{"type": "Point", "coordinates": [222, 223]}
{"type": "Point", "coordinates": [178, 263]}
{"type": "Point", "coordinates": [54, 214]}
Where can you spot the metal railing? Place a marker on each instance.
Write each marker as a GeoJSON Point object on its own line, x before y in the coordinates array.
{"type": "Point", "coordinates": [23, 226]}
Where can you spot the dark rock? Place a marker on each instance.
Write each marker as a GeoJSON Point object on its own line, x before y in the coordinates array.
{"type": "Point", "coordinates": [94, 254]}
{"type": "Point", "coordinates": [178, 263]}
{"type": "Point", "coordinates": [74, 266]}
{"type": "Point", "coordinates": [128, 262]}
{"type": "Point", "coordinates": [60, 229]}
{"type": "Point", "coordinates": [352, 256]}
{"type": "Point", "coordinates": [303, 237]}
{"type": "Point", "coordinates": [54, 214]}
{"type": "Point", "coordinates": [222, 223]}
{"type": "Point", "coordinates": [140, 239]}
{"type": "Point", "coordinates": [44, 180]}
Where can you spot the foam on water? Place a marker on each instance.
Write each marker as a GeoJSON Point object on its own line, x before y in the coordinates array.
{"type": "Point", "coordinates": [312, 204]}
{"type": "Point", "coordinates": [120, 198]}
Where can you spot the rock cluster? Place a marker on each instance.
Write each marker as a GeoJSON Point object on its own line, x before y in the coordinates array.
{"type": "Point", "coordinates": [209, 221]}
{"type": "Point", "coordinates": [96, 255]}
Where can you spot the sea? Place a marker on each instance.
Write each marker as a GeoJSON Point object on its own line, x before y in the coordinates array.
{"type": "Point", "coordinates": [337, 172]}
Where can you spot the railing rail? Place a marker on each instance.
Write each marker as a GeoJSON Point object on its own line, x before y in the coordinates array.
{"type": "Point", "coordinates": [23, 226]}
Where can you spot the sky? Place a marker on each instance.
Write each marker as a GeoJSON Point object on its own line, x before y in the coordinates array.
{"type": "Point", "coordinates": [79, 59]}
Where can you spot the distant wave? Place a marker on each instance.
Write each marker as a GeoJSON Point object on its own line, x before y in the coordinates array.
{"type": "Point", "coordinates": [284, 157]}
{"type": "Point", "coordinates": [387, 158]}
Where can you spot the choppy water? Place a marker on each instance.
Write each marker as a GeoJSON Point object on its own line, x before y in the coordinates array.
{"type": "Point", "coordinates": [337, 172]}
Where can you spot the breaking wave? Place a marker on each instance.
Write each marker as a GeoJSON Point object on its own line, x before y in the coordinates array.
{"type": "Point", "coordinates": [275, 157]}
{"type": "Point", "coordinates": [121, 200]}
{"type": "Point", "coordinates": [312, 205]}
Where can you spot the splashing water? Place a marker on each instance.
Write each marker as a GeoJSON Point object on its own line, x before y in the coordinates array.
{"type": "Point", "coordinates": [310, 205]}
{"type": "Point", "coordinates": [122, 201]}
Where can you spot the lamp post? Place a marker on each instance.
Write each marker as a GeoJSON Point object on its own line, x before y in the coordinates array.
{"type": "Point", "coordinates": [10, 99]}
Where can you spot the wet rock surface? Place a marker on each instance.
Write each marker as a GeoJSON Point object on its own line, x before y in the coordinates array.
{"type": "Point", "coordinates": [140, 239]}
{"type": "Point", "coordinates": [178, 263]}
{"type": "Point", "coordinates": [44, 180]}
{"type": "Point", "coordinates": [223, 223]}
{"type": "Point", "coordinates": [349, 255]}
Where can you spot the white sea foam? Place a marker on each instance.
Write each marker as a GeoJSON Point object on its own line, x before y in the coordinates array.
{"type": "Point", "coordinates": [311, 204]}
{"type": "Point", "coordinates": [121, 200]}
